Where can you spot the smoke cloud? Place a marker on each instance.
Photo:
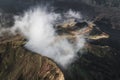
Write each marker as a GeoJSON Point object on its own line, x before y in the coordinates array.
{"type": "Point", "coordinates": [36, 25]}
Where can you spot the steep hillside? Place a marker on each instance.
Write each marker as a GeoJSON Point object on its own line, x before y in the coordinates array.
{"type": "Point", "coordinates": [17, 63]}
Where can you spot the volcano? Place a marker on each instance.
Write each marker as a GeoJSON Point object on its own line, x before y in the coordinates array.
{"type": "Point", "coordinates": [97, 59]}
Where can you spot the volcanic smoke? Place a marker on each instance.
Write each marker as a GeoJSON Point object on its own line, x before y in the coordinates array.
{"type": "Point", "coordinates": [36, 25]}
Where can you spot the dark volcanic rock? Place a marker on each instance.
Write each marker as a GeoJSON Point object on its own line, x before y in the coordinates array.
{"type": "Point", "coordinates": [100, 63]}
{"type": "Point", "coordinates": [101, 60]}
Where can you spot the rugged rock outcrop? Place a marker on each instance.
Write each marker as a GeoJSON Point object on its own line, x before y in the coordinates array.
{"type": "Point", "coordinates": [99, 62]}
{"type": "Point", "coordinates": [17, 63]}
{"type": "Point", "coordinates": [101, 58]}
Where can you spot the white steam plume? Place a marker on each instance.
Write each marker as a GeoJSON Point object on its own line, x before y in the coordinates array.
{"type": "Point", "coordinates": [37, 26]}
{"type": "Point", "coordinates": [73, 14]}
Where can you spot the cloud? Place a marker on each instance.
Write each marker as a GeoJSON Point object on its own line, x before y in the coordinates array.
{"type": "Point", "coordinates": [36, 25]}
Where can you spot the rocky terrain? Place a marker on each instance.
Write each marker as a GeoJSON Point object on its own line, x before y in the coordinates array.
{"type": "Point", "coordinates": [98, 61]}
{"type": "Point", "coordinates": [101, 58]}
{"type": "Point", "coordinates": [17, 63]}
